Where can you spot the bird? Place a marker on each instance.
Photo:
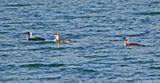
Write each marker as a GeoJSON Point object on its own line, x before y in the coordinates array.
{"type": "Point", "coordinates": [34, 38]}
{"type": "Point", "coordinates": [126, 42]}
{"type": "Point", "coordinates": [58, 39]}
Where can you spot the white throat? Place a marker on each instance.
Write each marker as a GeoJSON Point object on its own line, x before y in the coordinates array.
{"type": "Point", "coordinates": [57, 38]}
{"type": "Point", "coordinates": [30, 35]}
{"type": "Point", "coordinates": [125, 42]}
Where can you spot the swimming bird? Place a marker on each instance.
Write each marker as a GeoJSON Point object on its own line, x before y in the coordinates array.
{"type": "Point", "coordinates": [58, 39]}
{"type": "Point", "coordinates": [126, 42]}
{"type": "Point", "coordinates": [34, 38]}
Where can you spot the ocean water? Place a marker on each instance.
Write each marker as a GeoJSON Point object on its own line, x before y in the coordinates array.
{"type": "Point", "coordinates": [98, 56]}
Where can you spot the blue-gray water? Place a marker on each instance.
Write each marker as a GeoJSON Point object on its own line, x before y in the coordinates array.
{"type": "Point", "coordinates": [98, 56]}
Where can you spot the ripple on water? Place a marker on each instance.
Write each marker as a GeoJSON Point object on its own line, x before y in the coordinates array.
{"type": "Point", "coordinates": [3, 32]}
{"type": "Point", "coordinates": [98, 25]}
{"type": "Point", "coordinates": [21, 5]}
{"type": "Point", "coordinates": [148, 13]}
{"type": "Point", "coordinates": [41, 65]}
{"type": "Point", "coordinates": [36, 42]}
{"type": "Point", "coordinates": [5, 19]}
{"type": "Point", "coordinates": [154, 67]}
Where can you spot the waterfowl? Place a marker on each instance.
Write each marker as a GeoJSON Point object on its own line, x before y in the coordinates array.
{"type": "Point", "coordinates": [126, 42]}
{"type": "Point", "coordinates": [34, 38]}
{"type": "Point", "coordinates": [58, 39]}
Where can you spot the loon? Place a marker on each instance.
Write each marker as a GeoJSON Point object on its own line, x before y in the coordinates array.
{"type": "Point", "coordinates": [58, 39]}
{"type": "Point", "coordinates": [34, 38]}
{"type": "Point", "coordinates": [126, 43]}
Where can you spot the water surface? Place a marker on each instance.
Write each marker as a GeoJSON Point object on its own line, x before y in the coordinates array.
{"type": "Point", "coordinates": [98, 56]}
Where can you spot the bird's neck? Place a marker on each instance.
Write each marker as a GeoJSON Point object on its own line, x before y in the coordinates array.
{"type": "Point", "coordinates": [30, 35]}
{"type": "Point", "coordinates": [125, 42]}
{"type": "Point", "coordinates": [57, 38]}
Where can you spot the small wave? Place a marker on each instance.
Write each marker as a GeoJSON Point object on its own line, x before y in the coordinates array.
{"type": "Point", "coordinates": [46, 48]}
{"type": "Point", "coordinates": [7, 50]}
{"type": "Point", "coordinates": [148, 13]}
{"type": "Point", "coordinates": [123, 65]}
{"type": "Point", "coordinates": [72, 17]}
{"type": "Point", "coordinates": [129, 58]}
{"type": "Point", "coordinates": [139, 34]}
{"type": "Point", "coordinates": [6, 67]}
{"type": "Point", "coordinates": [47, 78]}
{"type": "Point", "coordinates": [3, 32]}
{"type": "Point", "coordinates": [141, 62]}
{"type": "Point", "coordinates": [5, 19]}
{"type": "Point", "coordinates": [21, 5]}
{"type": "Point", "coordinates": [36, 42]}
{"type": "Point", "coordinates": [18, 22]}
{"type": "Point", "coordinates": [17, 5]}
{"type": "Point", "coordinates": [154, 67]}
{"type": "Point", "coordinates": [87, 70]}
{"type": "Point", "coordinates": [155, 2]}
{"type": "Point", "coordinates": [7, 45]}
{"type": "Point", "coordinates": [94, 56]}
{"type": "Point", "coordinates": [42, 65]}
{"type": "Point", "coordinates": [5, 25]}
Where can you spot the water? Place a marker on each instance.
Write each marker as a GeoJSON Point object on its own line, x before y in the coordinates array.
{"type": "Point", "coordinates": [98, 56]}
